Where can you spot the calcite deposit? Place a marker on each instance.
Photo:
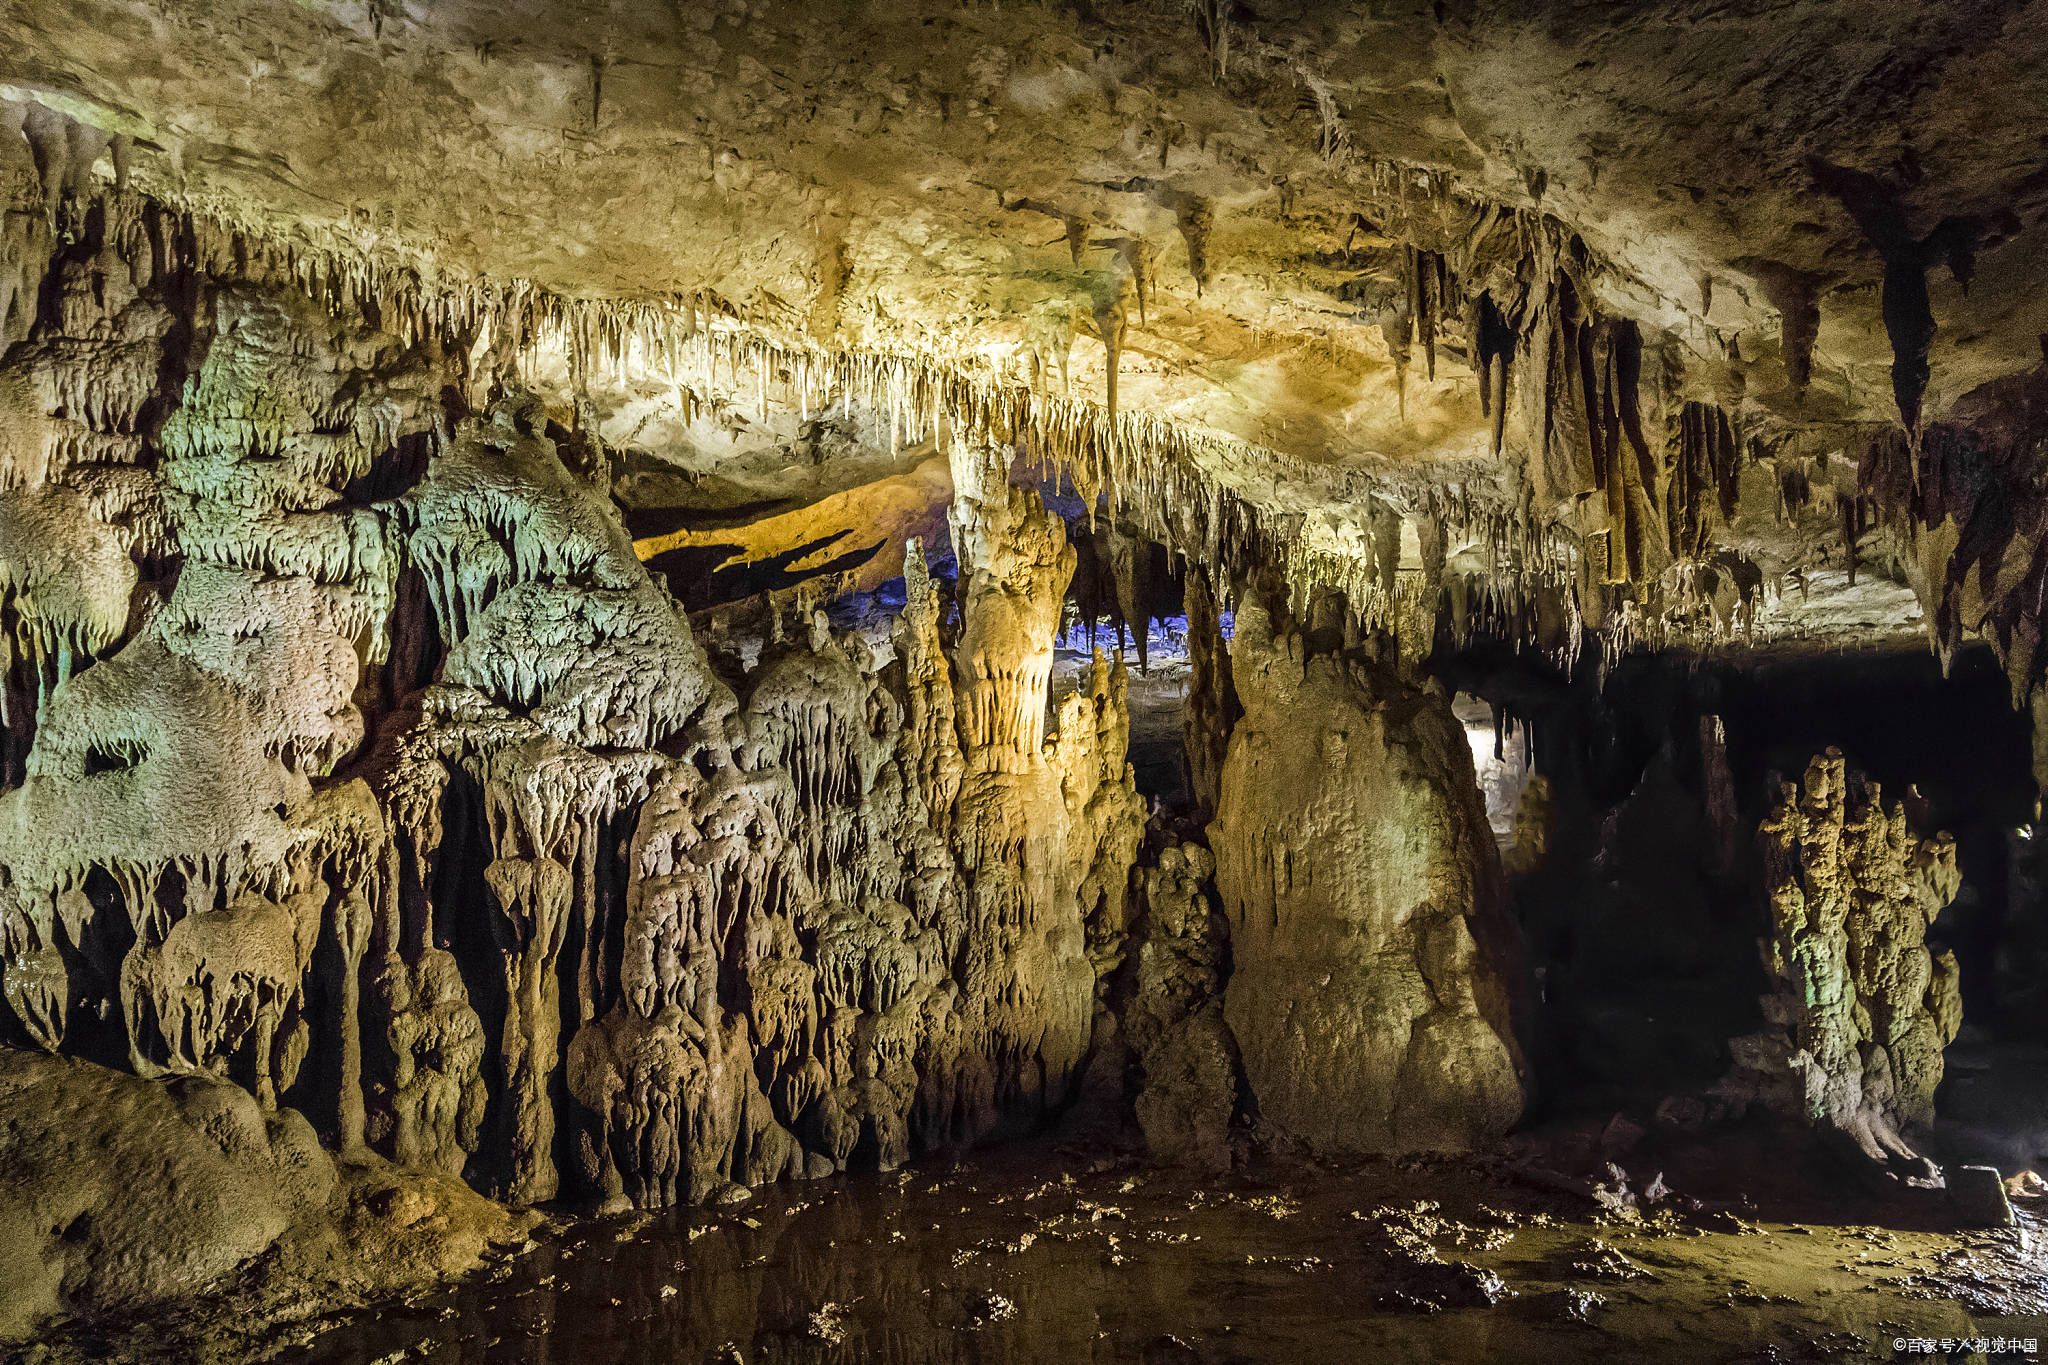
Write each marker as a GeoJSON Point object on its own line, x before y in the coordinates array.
{"type": "Point", "coordinates": [1861, 1008]}
{"type": "Point", "coordinates": [581, 915]}
{"type": "Point", "coordinates": [1373, 965]}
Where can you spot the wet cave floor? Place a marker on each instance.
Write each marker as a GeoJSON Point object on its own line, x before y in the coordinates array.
{"type": "Point", "coordinates": [1007, 1258]}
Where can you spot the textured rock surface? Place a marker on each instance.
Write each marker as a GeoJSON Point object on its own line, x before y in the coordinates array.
{"type": "Point", "coordinates": [1132, 152]}
{"type": "Point", "coordinates": [224, 1179]}
{"type": "Point", "coordinates": [1187, 1096]}
{"type": "Point", "coordinates": [1542, 287]}
{"type": "Point", "coordinates": [1862, 1008]}
{"type": "Point", "coordinates": [354, 732]}
{"type": "Point", "coordinates": [123, 1199]}
{"type": "Point", "coordinates": [357, 760]}
{"type": "Point", "coordinates": [1372, 963]}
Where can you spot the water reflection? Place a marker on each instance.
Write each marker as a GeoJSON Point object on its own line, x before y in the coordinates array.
{"type": "Point", "coordinates": [985, 1266]}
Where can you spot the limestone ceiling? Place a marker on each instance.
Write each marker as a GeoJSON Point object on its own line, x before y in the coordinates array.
{"type": "Point", "coordinates": [1010, 185]}
{"type": "Point", "coordinates": [876, 175]}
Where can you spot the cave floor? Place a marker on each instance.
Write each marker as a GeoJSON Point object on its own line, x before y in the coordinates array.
{"type": "Point", "coordinates": [1057, 1258]}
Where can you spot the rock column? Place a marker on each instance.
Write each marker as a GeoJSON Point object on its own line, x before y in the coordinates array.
{"type": "Point", "coordinates": [533, 899]}
{"type": "Point", "coordinates": [1372, 950]}
{"type": "Point", "coordinates": [1862, 1009]}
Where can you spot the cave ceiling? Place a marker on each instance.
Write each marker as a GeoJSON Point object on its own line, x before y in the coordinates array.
{"type": "Point", "coordinates": [1218, 208]}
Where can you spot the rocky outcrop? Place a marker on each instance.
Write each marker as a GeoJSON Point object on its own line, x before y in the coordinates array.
{"type": "Point", "coordinates": [1861, 1008]}
{"type": "Point", "coordinates": [121, 1196]}
{"type": "Point", "coordinates": [221, 1179]}
{"type": "Point", "coordinates": [1372, 960]}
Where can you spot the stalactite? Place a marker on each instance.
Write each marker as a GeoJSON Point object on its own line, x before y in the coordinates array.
{"type": "Point", "coordinates": [33, 978]}
{"type": "Point", "coordinates": [867, 910]}
{"type": "Point", "coordinates": [224, 989]}
{"type": "Point", "coordinates": [1954, 242]}
{"type": "Point", "coordinates": [1128, 454]}
{"type": "Point", "coordinates": [1428, 283]}
{"type": "Point", "coordinates": [1707, 462]}
{"type": "Point", "coordinates": [1491, 345]}
{"type": "Point", "coordinates": [1129, 561]}
{"type": "Point", "coordinates": [1110, 319]}
{"type": "Point", "coordinates": [1796, 296]}
{"type": "Point", "coordinates": [1210, 709]}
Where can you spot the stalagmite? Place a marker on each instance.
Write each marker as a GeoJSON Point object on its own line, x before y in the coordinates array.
{"type": "Point", "coordinates": [1175, 1020]}
{"type": "Point", "coordinates": [1860, 1009]}
{"type": "Point", "coordinates": [353, 923]}
{"type": "Point", "coordinates": [928, 715]}
{"type": "Point", "coordinates": [1372, 956]}
{"type": "Point", "coordinates": [426, 1110]}
{"type": "Point", "coordinates": [1016, 564]}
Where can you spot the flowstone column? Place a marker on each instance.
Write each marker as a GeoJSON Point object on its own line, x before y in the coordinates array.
{"type": "Point", "coordinates": [1037, 859]}
{"type": "Point", "coordinates": [353, 922]}
{"type": "Point", "coordinates": [533, 897]}
{"type": "Point", "coordinates": [1015, 565]}
{"type": "Point", "coordinates": [1371, 946]}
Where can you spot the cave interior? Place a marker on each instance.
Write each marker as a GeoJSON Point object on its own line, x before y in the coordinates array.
{"type": "Point", "coordinates": [1078, 679]}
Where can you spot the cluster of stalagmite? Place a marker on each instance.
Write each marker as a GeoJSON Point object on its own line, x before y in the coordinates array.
{"type": "Point", "coordinates": [354, 757]}
{"type": "Point", "coordinates": [1861, 1009]}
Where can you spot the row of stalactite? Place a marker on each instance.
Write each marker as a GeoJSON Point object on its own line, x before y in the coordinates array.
{"type": "Point", "coordinates": [1517, 281]}
{"type": "Point", "coordinates": [1964, 505]}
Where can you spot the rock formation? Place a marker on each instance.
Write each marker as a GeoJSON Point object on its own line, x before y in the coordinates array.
{"type": "Point", "coordinates": [1372, 959]}
{"type": "Point", "coordinates": [1187, 1096]}
{"type": "Point", "coordinates": [1861, 1008]}
{"type": "Point", "coordinates": [253, 1199]}
{"type": "Point", "coordinates": [1211, 709]}
{"type": "Point", "coordinates": [368, 685]}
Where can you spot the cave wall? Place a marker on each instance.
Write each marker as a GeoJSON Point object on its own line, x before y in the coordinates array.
{"type": "Point", "coordinates": [353, 756]}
